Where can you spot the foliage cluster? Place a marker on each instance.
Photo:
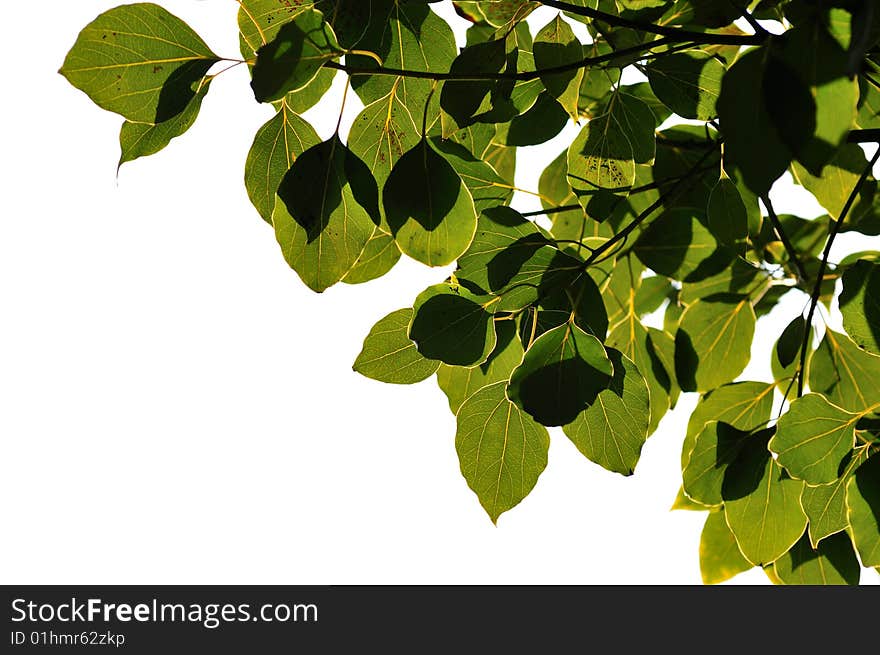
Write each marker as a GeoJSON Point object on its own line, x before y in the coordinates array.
{"type": "Point", "coordinates": [660, 205]}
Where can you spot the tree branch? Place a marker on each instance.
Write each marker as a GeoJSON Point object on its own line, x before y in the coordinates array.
{"type": "Point", "coordinates": [524, 76]}
{"type": "Point", "coordinates": [662, 30]}
{"type": "Point", "coordinates": [687, 181]}
{"type": "Point", "coordinates": [783, 237]}
{"type": "Point", "coordinates": [863, 136]}
{"type": "Point", "coordinates": [823, 266]}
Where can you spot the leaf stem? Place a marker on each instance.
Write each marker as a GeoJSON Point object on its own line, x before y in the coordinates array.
{"type": "Point", "coordinates": [523, 76]}
{"type": "Point", "coordinates": [823, 265]}
{"type": "Point", "coordinates": [783, 237]}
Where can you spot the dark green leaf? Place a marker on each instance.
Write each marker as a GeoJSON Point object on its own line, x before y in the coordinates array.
{"type": "Point", "coordinates": [561, 374]}
{"type": "Point", "coordinates": [143, 139]}
{"type": "Point", "coordinates": [715, 449]}
{"type": "Point", "coordinates": [728, 218]}
{"type": "Point", "coordinates": [740, 277]}
{"type": "Point", "coordinates": [459, 383]}
{"type": "Point", "coordinates": [139, 61]}
{"type": "Point", "coordinates": [832, 563]}
{"type": "Point", "coordinates": [745, 406]}
{"type": "Point", "coordinates": [678, 245]}
{"type": "Point", "coordinates": [452, 325]}
{"type": "Point", "coordinates": [276, 146]}
{"type": "Point", "coordinates": [463, 100]}
{"type": "Point", "coordinates": [612, 431]}
{"type": "Point", "coordinates": [688, 83]}
{"type": "Point", "coordinates": [486, 186]}
{"type": "Point", "coordinates": [863, 511]}
{"type": "Point", "coordinates": [556, 45]}
{"type": "Point", "coordinates": [293, 58]}
{"type": "Point", "coordinates": [509, 257]}
{"type": "Point", "coordinates": [327, 213]}
{"type": "Point", "coordinates": [752, 144]}
{"type": "Point", "coordinates": [860, 305]}
{"type": "Point", "coordinates": [502, 451]}
{"type": "Point", "coordinates": [388, 354]}
{"type": "Point", "coordinates": [428, 207]}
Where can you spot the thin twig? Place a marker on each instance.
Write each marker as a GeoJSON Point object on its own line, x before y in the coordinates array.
{"type": "Point", "coordinates": [823, 265]}
{"type": "Point", "coordinates": [523, 76]}
{"type": "Point", "coordinates": [783, 237]}
{"type": "Point", "coordinates": [662, 30]}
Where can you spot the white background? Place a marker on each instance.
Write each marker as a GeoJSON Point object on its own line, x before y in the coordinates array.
{"type": "Point", "coordinates": [177, 407]}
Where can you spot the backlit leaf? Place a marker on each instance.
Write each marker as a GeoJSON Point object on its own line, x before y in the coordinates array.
{"type": "Point", "coordinates": [688, 83]}
{"type": "Point", "coordinates": [720, 557]}
{"type": "Point", "coordinates": [863, 511]}
{"type": "Point", "coordinates": [326, 211]}
{"type": "Point", "coordinates": [762, 504]}
{"type": "Point", "coordinates": [715, 448]}
{"type": "Point", "coordinates": [833, 562]}
{"type": "Point", "coordinates": [276, 146]}
{"type": "Point", "coordinates": [556, 45]}
{"type": "Point", "coordinates": [452, 325]}
{"type": "Point", "coordinates": [139, 61]}
{"type": "Point", "coordinates": [845, 374]}
{"type": "Point", "coordinates": [428, 207]}
{"type": "Point", "coordinates": [388, 354]}
{"type": "Point", "coordinates": [812, 438]}
{"type": "Point", "coordinates": [713, 342]}
{"type": "Point", "coordinates": [860, 305]}
{"type": "Point", "coordinates": [612, 431]}
{"type": "Point", "coordinates": [561, 374]}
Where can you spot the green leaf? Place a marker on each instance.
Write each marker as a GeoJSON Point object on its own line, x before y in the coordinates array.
{"type": "Point", "coordinates": [612, 431]}
{"type": "Point", "coordinates": [677, 244]}
{"type": "Point", "coordinates": [407, 36]}
{"type": "Point", "coordinates": [844, 374]}
{"type": "Point", "coordinates": [812, 439]}
{"type": "Point", "coordinates": [634, 340]}
{"type": "Point", "coordinates": [689, 83]}
{"type": "Point", "coordinates": [543, 121]}
{"type": "Point", "coordinates": [327, 212]}
{"type": "Point", "coordinates": [825, 505]}
{"type": "Point", "coordinates": [727, 215]}
{"type": "Point", "coordinates": [258, 23]}
{"type": "Point", "coordinates": [379, 256]}
{"type": "Point", "coordinates": [838, 179]}
{"type": "Point", "coordinates": [502, 451]}
{"type": "Point", "coordinates": [809, 95]}
{"type": "Point", "coordinates": [293, 58]}
{"type": "Point", "coordinates": [785, 360]}
{"type": "Point", "coordinates": [451, 324]}
{"type": "Point", "coordinates": [382, 133]}
{"type": "Point", "coordinates": [715, 449]}
{"type": "Point", "coordinates": [720, 557]}
{"type": "Point", "coordinates": [388, 354]}
{"type": "Point", "coordinates": [509, 257]}
{"type": "Point", "coordinates": [713, 342]}
{"type": "Point", "coordinates": [581, 300]}
{"type": "Point", "coordinates": [276, 146]}
{"type": "Point", "coordinates": [832, 563]}
{"type": "Point", "coordinates": [139, 61]}
{"type": "Point", "coordinates": [860, 305]}
{"type": "Point", "coordinates": [745, 406]}
{"type": "Point", "coordinates": [143, 139]}
{"type": "Point", "coordinates": [740, 277]}
{"type": "Point", "coordinates": [428, 207]}
{"type": "Point", "coordinates": [561, 374]}
{"type": "Point", "coordinates": [651, 294]}
{"type": "Point", "coordinates": [487, 188]}
{"type": "Point", "coordinates": [762, 504]}
{"type": "Point", "coordinates": [863, 511]}
{"type": "Point", "coordinates": [459, 383]}
{"type": "Point", "coordinates": [556, 45]}
{"type": "Point", "coordinates": [462, 101]}
{"type": "Point", "coordinates": [752, 145]}
{"type": "Point", "coordinates": [603, 155]}
{"type": "Point", "coordinates": [500, 12]}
